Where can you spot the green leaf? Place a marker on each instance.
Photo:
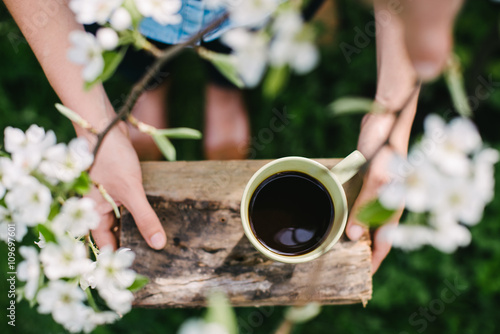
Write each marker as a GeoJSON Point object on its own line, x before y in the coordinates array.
{"type": "Point", "coordinates": [374, 213]}
{"type": "Point", "coordinates": [165, 147]}
{"type": "Point", "coordinates": [54, 210]}
{"type": "Point", "coordinates": [225, 63]}
{"type": "Point", "coordinates": [82, 184]}
{"type": "Point", "coordinates": [70, 114]}
{"type": "Point", "coordinates": [302, 314]}
{"type": "Point", "coordinates": [180, 133]}
{"type": "Point", "coordinates": [111, 61]}
{"type": "Point", "coordinates": [220, 312]}
{"type": "Point", "coordinates": [139, 282]}
{"type": "Point", "coordinates": [275, 81]}
{"type": "Point", "coordinates": [354, 105]}
{"type": "Point", "coordinates": [455, 82]}
{"type": "Point", "coordinates": [48, 235]}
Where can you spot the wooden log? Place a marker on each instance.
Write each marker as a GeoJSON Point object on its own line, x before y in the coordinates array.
{"type": "Point", "coordinates": [198, 205]}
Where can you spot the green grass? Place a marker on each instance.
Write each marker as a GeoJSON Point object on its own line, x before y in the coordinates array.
{"type": "Point", "coordinates": [407, 283]}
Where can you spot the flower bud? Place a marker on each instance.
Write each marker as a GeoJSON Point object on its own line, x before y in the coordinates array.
{"type": "Point", "coordinates": [107, 38]}
{"type": "Point", "coordinates": [121, 19]}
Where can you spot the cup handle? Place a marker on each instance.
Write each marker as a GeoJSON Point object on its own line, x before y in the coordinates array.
{"type": "Point", "coordinates": [349, 166]}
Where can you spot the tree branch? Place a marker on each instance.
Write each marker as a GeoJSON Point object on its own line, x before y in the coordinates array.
{"type": "Point", "coordinates": [140, 86]}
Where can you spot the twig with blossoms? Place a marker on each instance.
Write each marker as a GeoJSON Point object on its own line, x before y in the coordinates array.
{"type": "Point", "coordinates": [140, 86]}
{"type": "Point", "coordinates": [444, 184]}
{"type": "Point", "coordinates": [41, 184]}
{"type": "Point", "coordinates": [270, 32]}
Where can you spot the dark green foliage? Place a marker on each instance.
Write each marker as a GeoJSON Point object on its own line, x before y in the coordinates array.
{"type": "Point", "coordinates": [408, 284]}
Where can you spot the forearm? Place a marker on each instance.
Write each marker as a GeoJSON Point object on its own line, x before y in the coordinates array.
{"type": "Point", "coordinates": [395, 84]}
{"type": "Point", "coordinates": [46, 25]}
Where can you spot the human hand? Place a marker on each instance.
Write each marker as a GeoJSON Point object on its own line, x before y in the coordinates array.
{"type": "Point", "coordinates": [376, 129]}
{"type": "Point", "coordinates": [375, 177]}
{"type": "Point", "coordinates": [429, 33]}
{"type": "Point", "coordinates": [117, 168]}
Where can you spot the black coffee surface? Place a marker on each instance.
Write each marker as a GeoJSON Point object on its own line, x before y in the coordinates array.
{"type": "Point", "coordinates": [290, 213]}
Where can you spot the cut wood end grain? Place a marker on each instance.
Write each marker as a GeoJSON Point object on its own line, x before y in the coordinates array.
{"type": "Point", "coordinates": [198, 205]}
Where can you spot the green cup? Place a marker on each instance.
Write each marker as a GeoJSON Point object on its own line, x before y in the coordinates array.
{"type": "Point", "coordinates": [294, 209]}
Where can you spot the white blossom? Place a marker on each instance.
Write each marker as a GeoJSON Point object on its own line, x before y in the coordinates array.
{"type": "Point", "coordinates": [27, 148]}
{"type": "Point", "coordinates": [292, 44]}
{"type": "Point", "coordinates": [87, 279]}
{"type": "Point", "coordinates": [459, 139]}
{"type": "Point", "coordinates": [288, 23]}
{"type": "Point", "coordinates": [92, 11]}
{"type": "Point", "coordinates": [407, 237]}
{"type": "Point", "coordinates": [65, 301]}
{"type": "Point", "coordinates": [458, 201]}
{"type": "Point", "coordinates": [448, 239]}
{"type": "Point", "coordinates": [20, 230]}
{"type": "Point", "coordinates": [162, 11]}
{"type": "Point", "coordinates": [302, 56]}
{"type": "Point", "coordinates": [413, 186]}
{"type": "Point", "coordinates": [41, 243]}
{"type": "Point", "coordinates": [99, 318]}
{"type": "Point", "coordinates": [65, 163]}
{"type": "Point", "coordinates": [29, 202]}
{"type": "Point", "coordinates": [251, 12]}
{"type": "Point", "coordinates": [249, 50]}
{"type": "Point", "coordinates": [448, 178]}
{"type": "Point", "coordinates": [119, 300]}
{"type": "Point", "coordinates": [9, 174]}
{"type": "Point", "coordinates": [29, 271]}
{"type": "Point", "coordinates": [68, 258]}
{"type": "Point", "coordinates": [35, 138]}
{"type": "Point", "coordinates": [107, 38]}
{"type": "Point", "coordinates": [113, 268]}
{"type": "Point", "coordinates": [483, 173]}
{"type": "Point", "coordinates": [120, 19]}
{"type": "Point", "coordinates": [198, 326]}
{"type": "Point", "coordinates": [112, 277]}
{"type": "Point", "coordinates": [411, 237]}
{"type": "Point", "coordinates": [86, 51]}
{"type": "Point", "coordinates": [77, 217]}
{"type": "Point", "coordinates": [8, 228]}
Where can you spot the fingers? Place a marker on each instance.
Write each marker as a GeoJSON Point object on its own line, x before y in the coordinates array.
{"type": "Point", "coordinates": [373, 180]}
{"type": "Point", "coordinates": [103, 235]}
{"type": "Point", "coordinates": [428, 34]}
{"type": "Point", "coordinates": [381, 246]}
{"type": "Point", "coordinates": [376, 177]}
{"type": "Point", "coordinates": [145, 218]}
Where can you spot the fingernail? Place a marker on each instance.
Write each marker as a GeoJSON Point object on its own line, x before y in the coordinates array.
{"type": "Point", "coordinates": [158, 240]}
{"type": "Point", "coordinates": [426, 70]}
{"type": "Point", "coordinates": [355, 232]}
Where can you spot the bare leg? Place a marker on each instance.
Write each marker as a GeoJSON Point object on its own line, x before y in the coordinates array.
{"type": "Point", "coordinates": [227, 128]}
{"type": "Point", "coordinates": [151, 108]}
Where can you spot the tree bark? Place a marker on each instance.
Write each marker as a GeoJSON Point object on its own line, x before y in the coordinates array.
{"type": "Point", "coordinates": [198, 205]}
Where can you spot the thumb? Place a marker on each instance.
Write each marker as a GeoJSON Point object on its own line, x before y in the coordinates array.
{"type": "Point", "coordinates": [355, 229]}
{"type": "Point", "coordinates": [145, 218]}
{"type": "Point", "coordinates": [375, 178]}
{"type": "Point", "coordinates": [428, 34]}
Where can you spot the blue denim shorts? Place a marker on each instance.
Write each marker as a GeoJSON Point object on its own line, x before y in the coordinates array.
{"type": "Point", "coordinates": [195, 16]}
